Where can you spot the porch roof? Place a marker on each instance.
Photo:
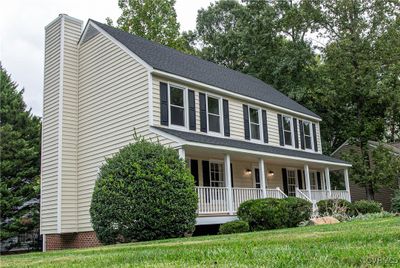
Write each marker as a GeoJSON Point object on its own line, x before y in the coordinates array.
{"type": "Point", "coordinates": [192, 138]}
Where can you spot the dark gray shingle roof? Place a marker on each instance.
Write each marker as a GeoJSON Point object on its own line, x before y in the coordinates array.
{"type": "Point", "coordinates": [172, 61]}
{"type": "Point", "coordinates": [205, 139]}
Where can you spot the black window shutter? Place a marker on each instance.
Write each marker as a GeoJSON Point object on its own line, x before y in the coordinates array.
{"type": "Point", "coordinates": [203, 112]}
{"type": "Point", "coordinates": [206, 173]}
{"type": "Point", "coordinates": [301, 134]}
{"type": "Point", "coordinates": [265, 125]}
{"type": "Point", "coordinates": [319, 180]}
{"type": "Point", "coordinates": [296, 135]}
{"type": "Point", "coordinates": [315, 137]}
{"type": "Point", "coordinates": [246, 122]}
{"type": "Point", "coordinates": [281, 142]}
{"type": "Point", "coordinates": [284, 180]}
{"type": "Point", "coordinates": [225, 106]}
{"type": "Point", "coordinates": [299, 179]}
{"type": "Point", "coordinates": [192, 110]}
{"type": "Point", "coordinates": [231, 175]}
{"type": "Point", "coordinates": [164, 103]}
{"type": "Point", "coordinates": [194, 168]}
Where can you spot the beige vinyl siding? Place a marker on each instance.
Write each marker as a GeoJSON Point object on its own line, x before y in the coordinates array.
{"type": "Point", "coordinates": [49, 169]}
{"type": "Point", "coordinates": [72, 31]}
{"type": "Point", "coordinates": [235, 114]}
{"type": "Point", "coordinates": [113, 103]}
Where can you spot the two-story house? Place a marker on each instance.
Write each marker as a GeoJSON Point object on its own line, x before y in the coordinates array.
{"type": "Point", "coordinates": [241, 138]}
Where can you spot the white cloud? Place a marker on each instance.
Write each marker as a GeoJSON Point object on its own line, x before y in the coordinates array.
{"type": "Point", "coordinates": [22, 35]}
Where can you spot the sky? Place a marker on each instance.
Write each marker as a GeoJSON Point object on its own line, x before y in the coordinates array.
{"type": "Point", "coordinates": [22, 25]}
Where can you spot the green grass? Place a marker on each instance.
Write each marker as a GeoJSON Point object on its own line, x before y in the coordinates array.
{"type": "Point", "coordinates": [359, 243]}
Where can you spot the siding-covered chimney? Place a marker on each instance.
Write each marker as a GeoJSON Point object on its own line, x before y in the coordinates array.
{"type": "Point", "coordinates": [60, 126]}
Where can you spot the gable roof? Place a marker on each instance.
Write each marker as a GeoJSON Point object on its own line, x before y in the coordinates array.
{"type": "Point", "coordinates": [171, 61]}
{"type": "Point", "coordinates": [251, 146]}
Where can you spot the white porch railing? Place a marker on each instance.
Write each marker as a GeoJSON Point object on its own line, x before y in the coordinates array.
{"type": "Point", "coordinates": [340, 194]}
{"type": "Point", "coordinates": [317, 195]}
{"type": "Point", "coordinates": [241, 195]}
{"type": "Point", "coordinates": [215, 199]}
{"type": "Point", "coordinates": [212, 200]}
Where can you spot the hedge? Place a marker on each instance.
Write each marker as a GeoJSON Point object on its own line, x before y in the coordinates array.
{"type": "Point", "coordinates": [144, 192]}
{"type": "Point", "coordinates": [272, 213]}
{"type": "Point", "coordinates": [234, 227]}
{"type": "Point", "coordinates": [366, 207]}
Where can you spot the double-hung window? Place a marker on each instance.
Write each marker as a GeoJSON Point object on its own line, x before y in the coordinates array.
{"type": "Point", "coordinates": [216, 174]}
{"type": "Point", "coordinates": [214, 114]}
{"type": "Point", "coordinates": [254, 117]}
{"type": "Point", "coordinates": [307, 135]}
{"type": "Point", "coordinates": [287, 130]}
{"type": "Point", "coordinates": [177, 106]}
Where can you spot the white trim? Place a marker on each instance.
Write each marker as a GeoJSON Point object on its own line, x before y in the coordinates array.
{"type": "Point", "coordinates": [123, 47]}
{"type": "Point", "coordinates": [340, 147]}
{"type": "Point", "coordinates": [291, 132]}
{"type": "Point", "coordinates": [260, 124]}
{"type": "Point", "coordinates": [214, 220]}
{"type": "Point", "coordinates": [150, 99]}
{"type": "Point", "coordinates": [312, 149]}
{"type": "Point", "coordinates": [185, 107]}
{"type": "Point", "coordinates": [296, 179]}
{"type": "Point", "coordinates": [258, 153]}
{"type": "Point", "coordinates": [220, 109]}
{"type": "Point", "coordinates": [235, 95]}
{"type": "Point", "coordinates": [60, 123]}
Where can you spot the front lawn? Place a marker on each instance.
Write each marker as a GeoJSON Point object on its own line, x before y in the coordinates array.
{"type": "Point", "coordinates": [358, 243]}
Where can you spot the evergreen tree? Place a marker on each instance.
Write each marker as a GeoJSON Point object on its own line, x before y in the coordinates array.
{"type": "Point", "coordinates": [20, 161]}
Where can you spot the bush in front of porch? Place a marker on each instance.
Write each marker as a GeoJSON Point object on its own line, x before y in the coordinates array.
{"type": "Point", "coordinates": [144, 192]}
{"type": "Point", "coordinates": [272, 213]}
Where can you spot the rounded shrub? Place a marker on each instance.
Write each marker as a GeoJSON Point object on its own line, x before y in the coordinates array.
{"type": "Point", "coordinates": [396, 202]}
{"type": "Point", "coordinates": [144, 192]}
{"type": "Point", "coordinates": [298, 209]}
{"type": "Point", "coordinates": [334, 207]}
{"type": "Point", "coordinates": [234, 227]}
{"type": "Point", "coordinates": [366, 207]}
{"type": "Point", "coordinates": [272, 213]}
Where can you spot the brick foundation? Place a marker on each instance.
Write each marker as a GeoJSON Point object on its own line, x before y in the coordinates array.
{"type": "Point", "coordinates": [71, 240]}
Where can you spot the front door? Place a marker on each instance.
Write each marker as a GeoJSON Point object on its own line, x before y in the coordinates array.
{"type": "Point", "coordinates": [291, 182]}
{"type": "Point", "coordinates": [257, 178]}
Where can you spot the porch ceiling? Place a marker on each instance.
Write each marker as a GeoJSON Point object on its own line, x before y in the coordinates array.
{"type": "Point", "coordinates": [249, 151]}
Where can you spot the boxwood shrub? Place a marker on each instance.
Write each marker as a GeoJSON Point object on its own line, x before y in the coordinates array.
{"type": "Point", "coordinates": [366, 206]}
{"type": "Point", "coordinates": [334, 207]}
{"type": "Point", "coordinates": [144, 192]}
{"type": "Point", "coordinates": [234, 227]}
{"type": "Point", "coordinates": [272, 213]}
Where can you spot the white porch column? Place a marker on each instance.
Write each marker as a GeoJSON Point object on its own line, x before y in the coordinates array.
{"type": "Point", "coordinates": [328, 182]}
{"type": "Point", "coordinates": [181, 152]}
{"type": "Point", "coordinates": [263, 182]}
{"type": "Point", "coordinates": [346, 182]}
{"type": "Point", "coordinates": [307, 177]}
{"type": "Point", "coordinates": [228, 183]}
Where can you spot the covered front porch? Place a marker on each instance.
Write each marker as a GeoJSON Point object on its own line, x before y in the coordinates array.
{"type": "Point", "coordinates": [227, 178]}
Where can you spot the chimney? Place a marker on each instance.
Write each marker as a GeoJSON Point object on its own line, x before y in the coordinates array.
{"type": "Point", "coordinates": [60, 126]}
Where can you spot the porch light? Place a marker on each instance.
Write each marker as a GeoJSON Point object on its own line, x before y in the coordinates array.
{"type": "Point", "coordinates": [247, 172]}
{"type": "Point", "coordinates": [271, 173]}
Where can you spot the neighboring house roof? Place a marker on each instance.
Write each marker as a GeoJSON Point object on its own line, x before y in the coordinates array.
{"type": "Point", "coordinates": [175, 62]}
{"type": "Point", "coordinates": [211, 140]}
{"type": "Point", "coordinates": [394, 147]}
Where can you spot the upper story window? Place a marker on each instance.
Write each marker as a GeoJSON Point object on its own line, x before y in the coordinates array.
{"type": "Point", "coordinates": [177, 106]}
{"type": "Point", "coordinates": [308, 142]}
{"type": "Point", "coordinates": [214, 114]}
{"type": "Point", "coordinates": [254, 117]}
{"type": "Point", "coordinates": [287, 130]}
